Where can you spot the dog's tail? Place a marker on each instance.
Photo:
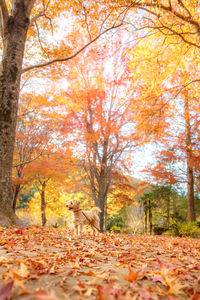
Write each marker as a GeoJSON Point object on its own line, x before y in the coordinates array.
{"type": "Point", "coordinates": [96, 210]}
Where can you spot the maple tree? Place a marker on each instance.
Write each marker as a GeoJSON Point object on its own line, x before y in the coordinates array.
{"type": "Point", "coordinates": [122, 192]}
{"type": "Point", "coordinates": [97, 111]}
{"type": "Point", "coordinates": [49, 169]}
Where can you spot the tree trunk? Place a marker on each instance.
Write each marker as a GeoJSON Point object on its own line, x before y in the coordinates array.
{"type": "Point", "coordinates": [190, 193]}
{"type": "Point", "coordinates": [103, 186]}
{"type": "Point", "coordinates": [175, 212]}
{"type": "Point", "coordinates": [106, 216]}
{"type": "Point", "coordinates": [150, 218]}
{"type": "Point", "coordinates": [15, 28]}
{"type": "Point", "coordinates": [168, 209]}
{"type": "Point", "coordinates": [190, 175]}
{"type": "Point", "coordinates": [101, 205]}
{"type": "Point", "coordinates": [16, 193]}
{"type": "Point", "coordinates": [145, 216]}
{"type": "Point", "coordinates": [43, 204]}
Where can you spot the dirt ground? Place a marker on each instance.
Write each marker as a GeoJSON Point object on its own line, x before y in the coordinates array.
{"type": "Point", "coordinates": [49, 264]}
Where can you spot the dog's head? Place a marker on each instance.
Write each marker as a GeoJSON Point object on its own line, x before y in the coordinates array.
{"type": "Point", "coordinates": [73, 205]}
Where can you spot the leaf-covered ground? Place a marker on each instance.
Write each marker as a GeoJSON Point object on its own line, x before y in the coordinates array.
{"type": "Point", "coordinates": [49, 264]}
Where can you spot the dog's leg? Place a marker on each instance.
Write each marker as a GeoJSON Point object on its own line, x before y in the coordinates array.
{"type": "Point", "coordinates": [76, 230]}
{"type": "Point", "coordinates": [81, 229]}
{"type": "Point", "coordinates": [97, 226]}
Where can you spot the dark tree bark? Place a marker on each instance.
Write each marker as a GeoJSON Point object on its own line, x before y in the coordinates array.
{"type": "Point", "coordinates": [145, 216]}
{"type": "Point", "coordinates": [15, 195]}
{"type": "Point", "coordinates": [14, 30]}
{"type": "Point", "coordinates": [43, 204]}
{"type": "Point", "coordinates": [150, 218]}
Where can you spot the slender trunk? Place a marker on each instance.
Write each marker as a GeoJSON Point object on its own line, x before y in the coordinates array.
{"type": "Point", "coordinates": [168, 209]}
{"type": "Point", "coordinates": [101, 205]}
{"type": "Point", "coordinates": [102, 197]}
{"type": "Point", "coordinates": [190, 174]}
{"type": "Point", "coordinates": [175, 212]}
{"type": "Point", "coordinates": [145, 217]}
{"type": "Point", "coordinates": [105, 221]}
{"type": "Point", "coordinates": [14, 37]}
{"type": "Point", "coordinates": [16, 193]}
{"type": "Point", "coordinates": [103, 186]}
{"type": "Point", "coordinates": [190, 193]}
{"type": "Point", "coordinates": [43, 204]}
{"type": "Point", "coordinates": [150, 218]}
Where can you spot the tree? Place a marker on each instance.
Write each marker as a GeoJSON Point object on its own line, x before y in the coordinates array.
{"type": "Point", "coordinates": [18, 25]}
{"type": "Point", "coordinates": [170, 108]}
{"type": "Point", "coordinates": [14, 30]}
{"type": "Point", "coordinates": [33, 137]}
{"type": "Point", "coordinates": [49, 170]}
{"type": "Point", "coordinates": [181, 146]}
{"type": "Point", "coordinates": [158, 209]}
{"type": "Point", "coordinates": [172, 22]}
{"type": "Point", "coordinates": [102, 134]}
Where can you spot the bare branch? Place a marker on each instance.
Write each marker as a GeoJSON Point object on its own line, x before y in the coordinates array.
{"type": "Point", "coordinates": [41, 14]}
{"type": "Point", "coordinates": [34, 19]}
{"type": "Point", "coordinates": [105, 19]}
{"type": "Point", "coordinates": [173, 12]}
{"type": "Point", "coordinates": [180, 35]}
{"type": "Point", "coordinates": [73, 55]}
{"type": "Point", "coordinates": [27, 162]}
{"type": "Point", "coordinates": [38, 34]}
{"type": "Point", "coordinates": [86, 20]}
{"type": "Point", "coordinates": [185, 85]}
{"type": "Point", "coordinates": [186, 18]}
{"type": "Point", "coordinates": [173, 32]}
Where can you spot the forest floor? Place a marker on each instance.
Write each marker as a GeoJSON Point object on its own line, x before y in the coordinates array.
{"type": "Point", "coordinates": [51, 264]}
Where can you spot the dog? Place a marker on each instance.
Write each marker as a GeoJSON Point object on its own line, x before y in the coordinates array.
{"type": "Point", "coordinates": [83, 217]}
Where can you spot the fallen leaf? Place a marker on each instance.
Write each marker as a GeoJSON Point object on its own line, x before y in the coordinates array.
{"type": "Point", "coordinates": [132, 276]}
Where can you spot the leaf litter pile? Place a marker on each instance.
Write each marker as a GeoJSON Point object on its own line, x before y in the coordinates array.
{"type": "Point", "coordinates": [50, 264]}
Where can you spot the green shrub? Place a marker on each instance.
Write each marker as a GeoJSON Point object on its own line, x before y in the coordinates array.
{"type": "Point", "coordinates": [115, 223]}
{"type": "Point", "coordinates": [116, 229]}
{"type": "Point", "coordinates": [184, 229]}
{"type": "Point", "coordinates": [168, 233]}
{"type": "Point", "coordinates": [189, 229]}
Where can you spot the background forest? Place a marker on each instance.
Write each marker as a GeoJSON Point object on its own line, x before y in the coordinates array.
{"type": "Point", "coordinates": [109, 114]}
